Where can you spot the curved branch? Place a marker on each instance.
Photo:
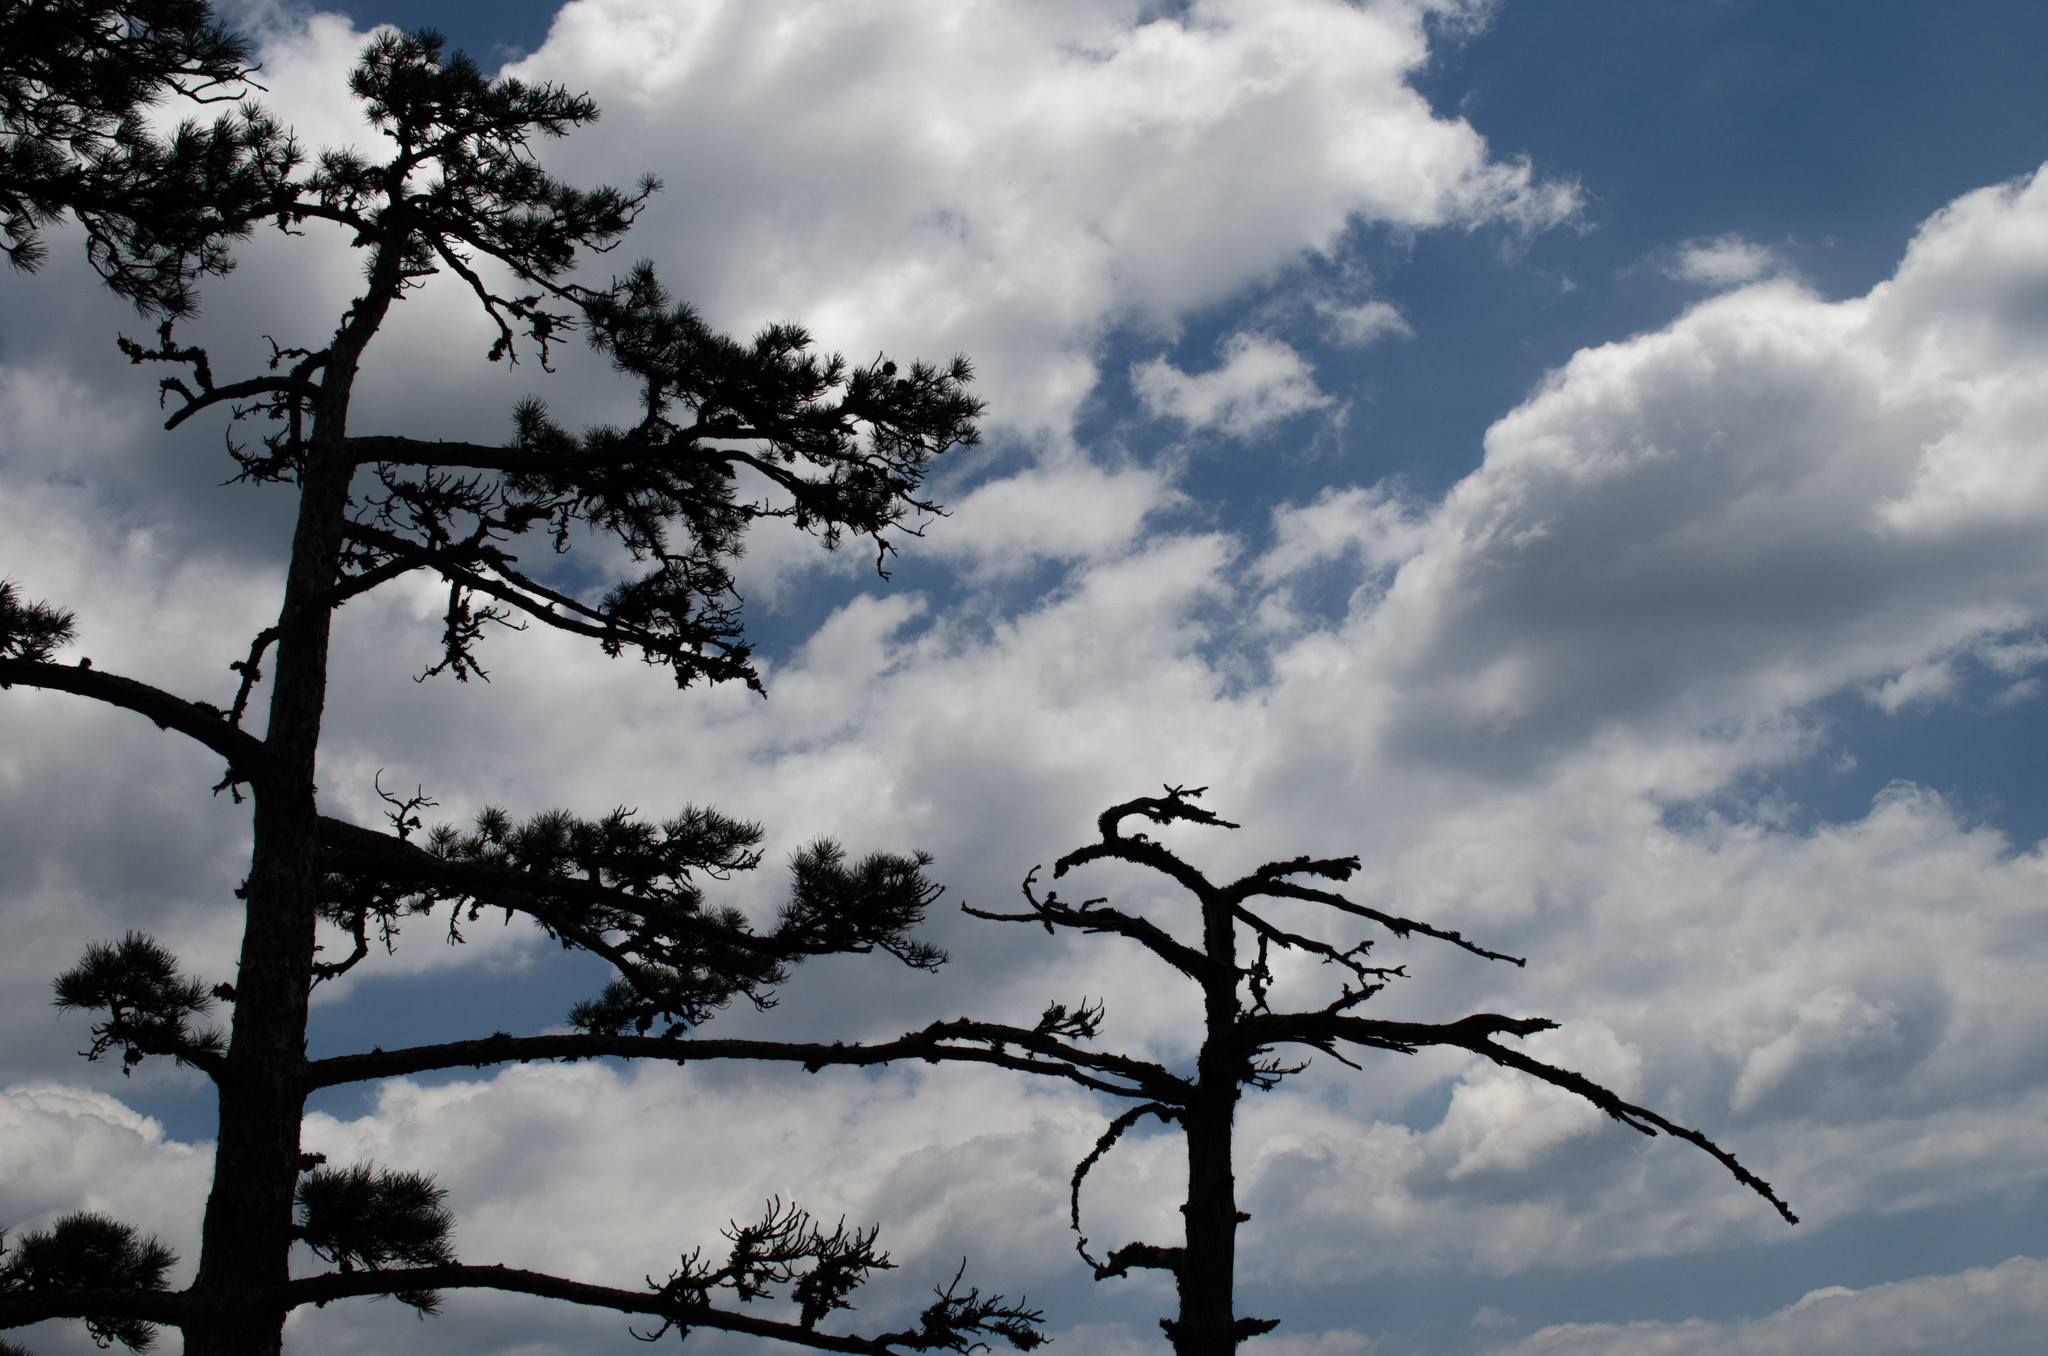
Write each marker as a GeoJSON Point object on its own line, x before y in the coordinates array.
{"type": "Point", "coordinates": [1320, 1030]}
{"type": "Point", "coordinates": [1088, 917]}
{"type": "Point", "coordinates": [1639, 1118]}
{"type": "Point", "coordinates": [239, 390]}
{"type": "Point", "coordinates": [488, 571]}
{"type": "Point", "coordinates": [246, 754]}
{"type": "Point", "coordinates": [1120, 1260]}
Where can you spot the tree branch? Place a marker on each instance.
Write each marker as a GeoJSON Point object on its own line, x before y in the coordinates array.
{"type": "Point", "coordinates": [940, 1042]}
{"type": "Point", "coordinates": [462, 456]}
{"type": "Point", "coordinates": [1400, 927]}
{"type": "Point", "coordinates": [354, 849]}
{"type": "Point", "coordinates": [1473, 1033]}
{"type": "Point", "coordinates": [150, 1306]}
{"type": "Point", "coordinates": [1090, 918]}
{"type": "Point", "coordinates": [1639, 1118]}
{"type": "Point", "coordinates": [245, 753]}
{"type": "Point", "coordinates": [344, 1285]}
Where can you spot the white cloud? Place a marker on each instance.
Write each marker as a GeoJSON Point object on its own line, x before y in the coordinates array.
{"type": "Point", "coordinates": [1928, 682]}
{"type": "Point", "coordinates": [68, 1149]}
{"type": "Point", "coordinates": [1366, 323]}
{"type": "Point", "coordinates": [1340, 1343]}
{"type": "Point", "coordinates": [1673, 546]}
{"type": "Point", "coordinates": [1261, 383]}
{"type": "Point", "coordinates": [1383, 528]}
{"type": "Point", "coordinates": [1723, 261]}
{"type": "Point", "coordinates": [1772, 498]}
{"type": "Point", "coordinates": [1011, 179]}
{"type": "Point", "coordinates": [1066, 511]}
{"type": "Point", "coordinates": [1987, 1311]}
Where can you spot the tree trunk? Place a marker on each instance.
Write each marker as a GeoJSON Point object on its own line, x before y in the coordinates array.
{"type": "Point", "coordinates": [1208, 1324]}
{"type": "Point", "coordinates": [246, 1235]}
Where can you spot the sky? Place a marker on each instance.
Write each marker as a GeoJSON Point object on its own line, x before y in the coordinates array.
{"type": "Point", "coordinates": [1584, 457]}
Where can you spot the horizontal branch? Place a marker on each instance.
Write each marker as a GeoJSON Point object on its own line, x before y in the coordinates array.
{"type": "Point", "coordinates": [349, 1284]}
{"type": "Point", "coordinates": [1141, 1255]}
{"type": "Point", "coordinates": [956, 1042]}
{"type": "Point", "coordinates": [151, 1306]}
{"type": "Point", "coordinates": [1319, 1029]}
{"type": "Point", "coordinates": [462, 456]}
{"type": "Point", "coordinates": [207, 724]}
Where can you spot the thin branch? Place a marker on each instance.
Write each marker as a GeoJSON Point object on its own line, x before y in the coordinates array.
{"type": "Point", "coordinates": [1089, 917]}
{"type": "Point", "coordinates": [1473, 1033]}
{"type": "Point", "coordinates": [1121, 1260]}
{"type": "Point", "coordinates": [957, 1042]}
{"type": "Point", "coordinates": [1639, 1118]}
{"type": "Point", "coordinates": [251, 670]}
{"type": "Point", "coordinates": [1400, 927]}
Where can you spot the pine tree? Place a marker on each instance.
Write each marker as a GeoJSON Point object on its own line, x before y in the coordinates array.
{"type": "Point", "coordinates": [456, 193]}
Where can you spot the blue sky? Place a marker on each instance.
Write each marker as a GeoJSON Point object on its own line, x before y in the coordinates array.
{"type": "Point", "coordinates": [1579, 455]}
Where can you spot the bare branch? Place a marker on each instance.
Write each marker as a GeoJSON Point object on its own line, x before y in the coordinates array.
{"type": "Point", "coordinates": [1400, 927]}
{"type": "Point", "coordinates": [957, 1042]}
{"type": "Point", "coordinates": [247, 758]}
{"type": "Point", "coordinates": [1131, 1254]}
{"type": "Point", "coordinates": [149, 1306]}
{"type": "Point", "coordinates": [1088, 916]}
{"type": "Point", "coordinates": [1474, 1033]}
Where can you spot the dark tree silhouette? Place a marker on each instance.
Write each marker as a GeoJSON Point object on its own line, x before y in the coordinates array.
{"type": "Point", "coordinates": [1227, 957]}
{"type": "Point", "coordinates": [76, 78]}
{"type": "Point", "coordinates": [838, 451]}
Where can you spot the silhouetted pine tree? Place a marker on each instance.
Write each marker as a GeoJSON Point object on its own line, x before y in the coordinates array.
{"type": "Point", "coordinates": [455, 190]}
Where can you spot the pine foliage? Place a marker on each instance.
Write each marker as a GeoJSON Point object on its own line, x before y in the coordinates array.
{"type": "Point", "coordinates": [88, 1251]}
{"type": "Point", "coordinates": [150, 1006]}
{"type": "Point", "coordinates": [31, 631]}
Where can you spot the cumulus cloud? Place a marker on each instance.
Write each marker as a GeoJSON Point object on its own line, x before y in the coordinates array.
{"type": "Point", "coordinates": [1012, 179]}
{"type": "Point", "coordinates": [1381, 527]}
{"type": "Point", "coordinates": [1262, 382]}
{"type": "Point", "coordinates": [1063, 511]}
{"type": "Point", "coordinates": [1671, 549]}
{"type": "Point", "coordinates": [1366, 323]}
{"type": "Point", "coordinates": [1986, 1311]}
{"type": "Point", "coordinates": [69, 1149]}
{"type": "Point", "coordinates": [1771, 498]}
